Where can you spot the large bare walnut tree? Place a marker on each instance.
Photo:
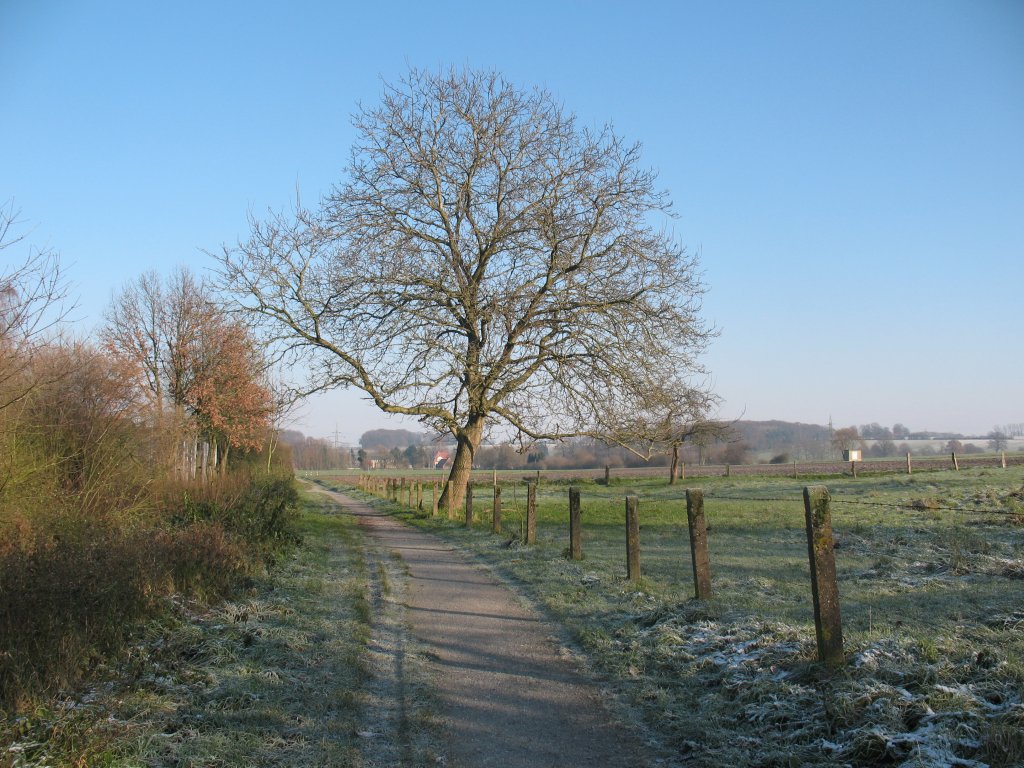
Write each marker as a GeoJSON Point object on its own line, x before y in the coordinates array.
{"type": "Point", "coordinates": [487, 262]}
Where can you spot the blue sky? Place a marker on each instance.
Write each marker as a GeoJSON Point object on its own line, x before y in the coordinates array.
{"type": "Point", "coordinates": [852, 174]}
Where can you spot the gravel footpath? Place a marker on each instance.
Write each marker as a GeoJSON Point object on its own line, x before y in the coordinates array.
{"type": "Point", "coordinates": [510, 693]}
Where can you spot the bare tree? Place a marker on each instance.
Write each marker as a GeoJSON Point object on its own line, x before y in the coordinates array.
{"type": "Point", "coordinates": [997, 440]}
{"type": "Point", "coordinates": [846, 438]}
{"type": "Point", "coordinates": [486, 263]}
{"type": "Point", "coordinates": [33, 305]}
{"type": "Point", "coordinates": [136, 328]}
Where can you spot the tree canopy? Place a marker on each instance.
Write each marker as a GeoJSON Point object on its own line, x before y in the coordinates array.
{"type": "Point", "coordinates": [485, 262]}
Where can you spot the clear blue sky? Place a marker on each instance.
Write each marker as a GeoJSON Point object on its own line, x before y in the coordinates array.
{"type": "Point", "coordinates": [852, 173]}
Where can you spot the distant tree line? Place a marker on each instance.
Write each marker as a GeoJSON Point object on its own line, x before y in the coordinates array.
{"type": "Point", "coordinates": [742, 443]}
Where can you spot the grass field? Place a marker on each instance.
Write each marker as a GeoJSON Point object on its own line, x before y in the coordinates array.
{"type": "Point", "coordinates": [930, 574]}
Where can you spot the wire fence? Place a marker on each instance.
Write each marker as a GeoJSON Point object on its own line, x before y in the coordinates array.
{"type": "Point", "coordinates": [814, 502]}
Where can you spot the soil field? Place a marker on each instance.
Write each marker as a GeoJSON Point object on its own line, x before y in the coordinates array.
{"type": "Point", "coordinates": [817, 469]}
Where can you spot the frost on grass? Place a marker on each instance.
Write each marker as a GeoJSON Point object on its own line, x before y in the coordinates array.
{"type": "Point", "coordinates": [751, 693]}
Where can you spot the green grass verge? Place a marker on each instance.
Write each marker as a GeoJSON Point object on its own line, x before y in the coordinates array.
{"type": "Point", "coordinates": [273, 677]}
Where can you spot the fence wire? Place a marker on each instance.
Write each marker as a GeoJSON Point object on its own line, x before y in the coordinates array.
{"type": "Point", "coordinates": [915, 506]}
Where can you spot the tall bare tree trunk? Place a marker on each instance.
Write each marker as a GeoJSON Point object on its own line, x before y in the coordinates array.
{"type": "Point", "coordinates": [675, 464]}
{"type": "Point", "coordinates": [462, 464]}
{"type": "Point", "coordinates": [205, 461]}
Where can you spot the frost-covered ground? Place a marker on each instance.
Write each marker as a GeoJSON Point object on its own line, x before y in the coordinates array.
{"type": "Point", "coordinates": [931, 571]}
{"type": "Point", "coordinates": [749, 694]}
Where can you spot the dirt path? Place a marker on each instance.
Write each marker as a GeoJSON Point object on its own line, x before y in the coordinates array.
{"type": "Point", "coordinates": [510, 694]}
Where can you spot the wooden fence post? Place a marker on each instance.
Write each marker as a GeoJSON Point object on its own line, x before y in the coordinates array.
{"type": "Point", "coordinates": [910, 469]}
{"type": "Point", "coordinates": [853, 469]}
{"type": "Point", "coordinates": [956, 464]}
{"type": "Point", "coordinates": [433, 502]}
{"type": "Point", "coordinates": [828, 625]}
{"type": "Point", "coordinates": [419, 495]}
{"type": "Point", "coordinates": [698, 543]}
{"type": "Point", "coordinates": [632, 539]}
{"type": "Point", "coordinates": [469, 505]}
{"type": "Point", "coordinates": [575, 544]}
{"type": "Point", "coordinates": [1003, 455]}
{"type": "Point", "coordinates": [496, 512]}
{"type": "Point", "coordinates": [531, 513]}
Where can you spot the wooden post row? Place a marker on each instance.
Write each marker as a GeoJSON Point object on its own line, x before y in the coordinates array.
{"type": "Point", "coordinates": [699, 544]}
{"type": "Point", "coordinates": [828, 625]}
{"type": "Point", "coordinates": [632, 539]}
{"type": "Point", "coordinates": [496, 511]}
{"type": "Point", "coordinates": [575, 544]}
{"type": "Point", "coordinates": [531, 513]}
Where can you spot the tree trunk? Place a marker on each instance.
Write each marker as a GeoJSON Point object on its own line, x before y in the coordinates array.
{"type": "Point", "coordinates": [468, 438]}
{"type": "Point", "coordinates": [675, 464]}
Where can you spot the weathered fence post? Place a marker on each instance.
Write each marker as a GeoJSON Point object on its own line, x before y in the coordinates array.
{"type": "Point", "coordinates": [910, 469]}
{"type": "Point", "coordinates": [698, 543]}
{"type": "Point", "coordinates": [469, 505]}
{"type": "Point", "coordinates": [632, 539]}
{"type": "Point", "coordinates": [728, 470]}
{"type": "Point", "coordinates": [575, 544]}
{"type": "Point", "coordinates": [433, 502]}
{"type": "Point", "coordinates": [1003, 455]}
{"type": "Point", "coordinates": [853, 469]}
{"type": "Point", "coordinates": [419, 495]}
{"type": "Point", "coordinates": [531, 513]}
{"type": "Point", "coordinates": [828, 624]}
{"type": "Point", "coordinates": [956, 464]}
{"type": "Point", "coordinates": [496, 511]}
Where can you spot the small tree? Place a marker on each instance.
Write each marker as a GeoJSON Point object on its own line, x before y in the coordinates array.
{"type": "Point", "coordinates": [846, 438]}
{"type": "Point", "coordinates": [997, 440]}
